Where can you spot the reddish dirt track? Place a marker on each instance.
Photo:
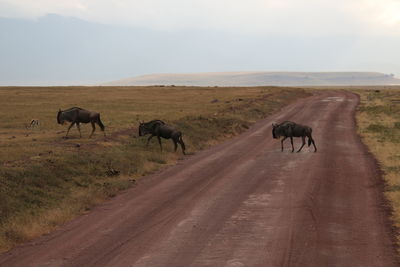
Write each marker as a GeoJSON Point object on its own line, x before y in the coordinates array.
{"type": "Point", "coordinates": [242, 203]}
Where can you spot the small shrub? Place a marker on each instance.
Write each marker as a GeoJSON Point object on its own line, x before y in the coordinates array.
{"type": "Point", "coordinates": [376, 128]}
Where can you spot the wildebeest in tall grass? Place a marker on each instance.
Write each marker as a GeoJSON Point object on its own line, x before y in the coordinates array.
{"type": "Point", "coordinates": [76, 116]}
{"type": "Point", "coordinates": [291, 129]}
{"type": "Point", "coordinates": [160, 129]}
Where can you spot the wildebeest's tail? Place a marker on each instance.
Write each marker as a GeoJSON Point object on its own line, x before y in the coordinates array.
{"type": "Point", "coordinates": [100, 123]}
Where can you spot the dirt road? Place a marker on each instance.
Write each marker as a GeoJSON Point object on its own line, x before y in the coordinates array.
{"type": "Point", "coordinates": [242, 203]}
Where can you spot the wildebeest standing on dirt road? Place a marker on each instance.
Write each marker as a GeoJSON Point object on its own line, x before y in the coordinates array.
{"type": "Point", "coordinates": [160, 129]}
{"type": "Point", "coordinates": [291, 129]}
{"type": "Point", "coordinates": [77, 115]}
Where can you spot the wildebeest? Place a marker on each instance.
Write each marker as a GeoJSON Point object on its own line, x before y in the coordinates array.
{"type": "Point", "coordinates": [291, 129]}
{"type": "Point", "coordinates": [160, 129]}
{"type": "Point", "coordinates": [77, 115]}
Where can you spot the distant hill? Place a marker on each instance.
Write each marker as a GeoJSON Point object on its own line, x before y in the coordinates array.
{"type": "Point", "coordinates": [58, 50]}
{"type": "Point", "coordinates": [262, 78]}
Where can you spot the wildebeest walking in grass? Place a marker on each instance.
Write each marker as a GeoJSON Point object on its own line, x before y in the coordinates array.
{"type": "Point", "coordinates": [160, 129]}
{"type": "Point", "coordinates": [291, 129]}
{"type": "Point", "coordinates": [76, 116]}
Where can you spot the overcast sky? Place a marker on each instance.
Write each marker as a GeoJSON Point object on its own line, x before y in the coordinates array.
{"type": "Point", "coordinates": [372, 25]}
{"type": "Point", "coordinates": [308, 17]}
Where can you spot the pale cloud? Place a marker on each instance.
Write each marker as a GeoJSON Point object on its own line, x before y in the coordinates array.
{"type": "Point", "coordinates": [37, 8]}
{"type": "Point", "coordinates": [389, 14]}
{"type": "Point", "coordinates": [311, 17]}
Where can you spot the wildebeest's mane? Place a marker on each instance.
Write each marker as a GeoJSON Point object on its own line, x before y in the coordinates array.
{"type": "Point", "coordinates": [153, 121]}
{"type": "Point", "coordinates": [72, 109]}
{"type": "Point", "coordinates": [285, 122]}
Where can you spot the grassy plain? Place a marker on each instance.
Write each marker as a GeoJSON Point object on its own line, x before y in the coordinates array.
{"type": "Point", "coordinates": [46, 180]}
{"type": "Point", "coordinates": [378, 120]}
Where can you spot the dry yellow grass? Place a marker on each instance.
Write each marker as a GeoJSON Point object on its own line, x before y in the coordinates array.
{"type": "Point", "coordinates": [46, 180]}
{"type": "Point", "coordinates": [378, 120]}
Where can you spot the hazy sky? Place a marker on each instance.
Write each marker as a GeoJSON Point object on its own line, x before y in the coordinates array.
{"type": "Point", "coordinates": [308, 17]}
{"type": "Point", "coordinates": [369, 28]}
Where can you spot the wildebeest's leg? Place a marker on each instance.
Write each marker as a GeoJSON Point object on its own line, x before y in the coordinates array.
{"type": "Point", "coordinates": [291, 141]}
{"type": "Point", "coordinates": [180, 141]}
{"type": "Point", "coordinates": [284, 138]}
{"type": "Point", "coordinates": [79, 129]}
{"type": "Point", "coordinates": [93, 128]}
{"type": "Point", "coordinates": [159, 141]}
{"type": "Point", "coordinates": [175, 144]}
{"type": "Point", "coordinates": [303, 138]}
{"type": "Point", "coordinates": [148, 139]}
{"type": "Point", "coordinates": [312, 140]}
{"type": "Point", "coordinates": [69, 128]}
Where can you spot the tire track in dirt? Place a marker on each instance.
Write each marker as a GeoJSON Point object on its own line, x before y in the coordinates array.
{"type": "Point", "coordinates": [242, 203]}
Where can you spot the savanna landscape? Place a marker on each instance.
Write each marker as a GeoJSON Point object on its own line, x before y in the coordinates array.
{"type": "Point", "coordinates": [199, 133]}
{"type": "Point", "coordinates": [47, 180]}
